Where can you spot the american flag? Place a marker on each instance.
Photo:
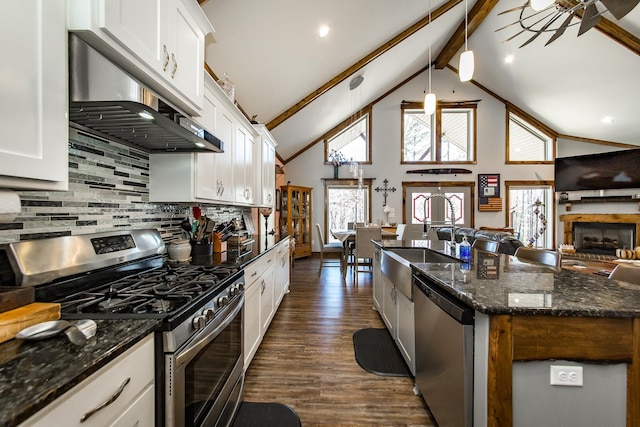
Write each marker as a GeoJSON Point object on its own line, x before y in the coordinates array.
{"type": "Point", "coordinates": [489, 181]}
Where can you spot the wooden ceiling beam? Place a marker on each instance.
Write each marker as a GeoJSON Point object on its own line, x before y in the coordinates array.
{"type": "Point", "coordinates": [361, 64]}
{"type": "Point", "coordinates": [617, 34]}
{"type": "Point", "coordinates": [477, 14]}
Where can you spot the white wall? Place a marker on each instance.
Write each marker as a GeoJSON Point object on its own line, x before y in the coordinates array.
{"type": "Point", "coordinates": [308, 168]}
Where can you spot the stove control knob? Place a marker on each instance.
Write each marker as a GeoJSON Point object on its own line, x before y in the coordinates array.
{"type": "Point", "coordinates": [240, 287]}
{"type": "Point", "coordinates": [222, 301]}
{"type": "Point", "coordinates": [209, 314]}
{"type": "Point", "coordinates": [199, 322]}
{"type": "Point", "coordinates": [233, 291]}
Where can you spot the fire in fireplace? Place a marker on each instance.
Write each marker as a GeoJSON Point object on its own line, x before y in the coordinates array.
{"type": "Point", "coordinates": [603, 237]}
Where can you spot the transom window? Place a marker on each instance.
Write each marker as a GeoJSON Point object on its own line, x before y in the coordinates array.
{"type": "Point", "coordinates": [351, 138]}
{"type": "Point", "coordinates": [447, 136]}
{"type": "Point", "coordinates": [527, 143]}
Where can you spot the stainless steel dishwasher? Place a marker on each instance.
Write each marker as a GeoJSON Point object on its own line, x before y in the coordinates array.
{"type": "Point", "coordinates": [444, 353]}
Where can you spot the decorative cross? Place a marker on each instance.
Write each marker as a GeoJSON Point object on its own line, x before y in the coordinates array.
{"type": "Point", "coordinates": [385, 190]}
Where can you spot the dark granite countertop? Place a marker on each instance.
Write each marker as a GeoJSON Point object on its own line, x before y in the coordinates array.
{"type": "Point", "coordinates": [500, 284]}
{"type": "Point", "coordinates": [260, 245]}
{"type": "Point", "coordinates": [35, 373]}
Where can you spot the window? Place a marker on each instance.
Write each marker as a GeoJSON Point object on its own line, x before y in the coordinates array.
{"type": "Point", "coordinates": [448, 136]}
{"type": "Point", "coordinates": [351, 138]}
{"type": "Point", "coordinates": [527, 143]}
{"type": "Point", "coordinates": [346, 202]}
{"type": "Point", "coordinates": [419, 196]}
{"type": "Point", "coordinates": [531, 212]}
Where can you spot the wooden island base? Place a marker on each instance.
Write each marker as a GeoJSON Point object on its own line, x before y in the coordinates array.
{"type": "Point", "coordinates": [581, 339]}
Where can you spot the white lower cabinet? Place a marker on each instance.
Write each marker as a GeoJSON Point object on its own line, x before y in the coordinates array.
{"type": "Point", "coordinates": [281, 274]}
{"type": "Point", "coordinates": [128, 381]}
{"type": "Point", "coordinates": [262, 296]}
{"type": "Point", "coordinates": [397, 313]}
{"type": "Point", "coordinates": [378, 291]}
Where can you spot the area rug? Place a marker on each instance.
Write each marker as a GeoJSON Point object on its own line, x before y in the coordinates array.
{"type": "Point", "coordinates": [377, 353]}
{"type": "Point", "coordinates": [266, 414]}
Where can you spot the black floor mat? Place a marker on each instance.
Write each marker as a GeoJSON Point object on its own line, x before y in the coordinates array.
{"type": "Point", "coordinates": [377, 353]}
{"type": "Point", "coordinates": [265, 414]}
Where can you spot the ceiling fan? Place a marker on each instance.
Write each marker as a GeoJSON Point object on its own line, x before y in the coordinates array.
{"type": "Point", "coordinates": [548, 16]}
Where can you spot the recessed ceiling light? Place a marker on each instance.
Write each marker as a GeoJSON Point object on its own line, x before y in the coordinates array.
{"type": "Point", "coordinates": [509, 59]}
{"type": "Point", "coordinates": [607, 119]}
{"type": "Point", "coordinates": [323, 31]}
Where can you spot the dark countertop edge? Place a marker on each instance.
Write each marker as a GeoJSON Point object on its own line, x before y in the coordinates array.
{"type": "Point", "coordinates": [261, 249]}
{"type": "Point", "coordinates": [524, 311]}
{"type": "Point", "coordinates": [23, 413]}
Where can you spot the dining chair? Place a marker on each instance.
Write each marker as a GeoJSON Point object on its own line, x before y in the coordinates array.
{"type": "Point", "coordinates": [400, 229]}
{"type": "Point", "coordinates": [333, 247]}
{"type": "Point", "coordinates": [364, 248]}
{"type": "Point", "coordinates": [626, 273]}
{"type": "Point", "coordinates": [542, 256]}
{"type": "Point", "coordinates": [486, 245]}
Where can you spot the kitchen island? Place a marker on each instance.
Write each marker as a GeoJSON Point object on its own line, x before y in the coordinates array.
{"type": "Point", "coordinates": [526, 315]}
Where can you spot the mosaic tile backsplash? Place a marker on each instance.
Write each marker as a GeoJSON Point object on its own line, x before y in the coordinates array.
{"type": "Point", "coordinates": [108, 189]}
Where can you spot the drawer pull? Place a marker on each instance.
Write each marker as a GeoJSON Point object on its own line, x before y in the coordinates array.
{"type": "Point", "coordinates": [106, 403]}
{"type": "Point", "coordinates": [254, 273]}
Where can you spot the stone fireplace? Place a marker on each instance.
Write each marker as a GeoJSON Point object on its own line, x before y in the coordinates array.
{"type": "Point", "coordinates": [601, 233]}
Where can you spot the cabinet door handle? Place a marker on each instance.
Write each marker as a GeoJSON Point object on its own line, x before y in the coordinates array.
{"type": "Point", "coordinates": [175, 65]}
{"type": "Point", "coordinates": [254, 273]}
{"type": "Point", "coordinates": [107, 402]}
{"type": "Point", "coordinates": [264, 286]}
{"type": "Point", "coordinates": [166, 57]}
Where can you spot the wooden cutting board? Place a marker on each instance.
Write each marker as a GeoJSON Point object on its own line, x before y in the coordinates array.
{"type": "Point", "coordinates": [13, 321]}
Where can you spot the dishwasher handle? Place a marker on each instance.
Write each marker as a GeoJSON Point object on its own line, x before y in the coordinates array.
{"type": "Point", "coordinates": [459, 311]}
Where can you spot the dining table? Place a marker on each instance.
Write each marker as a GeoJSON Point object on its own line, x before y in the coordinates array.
{"type": "Point", "coordinates": [347, 236]}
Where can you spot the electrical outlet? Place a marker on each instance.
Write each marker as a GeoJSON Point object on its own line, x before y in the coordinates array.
{"type": "Point", "coordinates": [566, 375]}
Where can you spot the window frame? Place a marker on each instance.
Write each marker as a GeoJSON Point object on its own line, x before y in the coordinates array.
{"type": "Point", "coordinates": [551, 218]}
{"type": "Point", "coordinates": [437, 134]}
{"type": "Point", "coordinates": [530, 124]}
{"type": "Point", "coordinates": [443, 186]}
{"type": "Point", "coordinates": [343, 126]}
{"type": "Point", "coordinates": [367, 184]}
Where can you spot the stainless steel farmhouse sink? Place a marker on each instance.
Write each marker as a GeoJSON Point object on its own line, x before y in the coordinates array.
{"type": "Point", "coordinates": [395, 264]}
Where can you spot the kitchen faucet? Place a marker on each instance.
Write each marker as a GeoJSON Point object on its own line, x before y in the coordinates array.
{"type": "Point", "coordinates": [453, 216]}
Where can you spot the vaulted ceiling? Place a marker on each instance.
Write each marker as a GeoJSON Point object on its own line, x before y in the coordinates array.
{"type": "Point", "coordinates": [298, 83]}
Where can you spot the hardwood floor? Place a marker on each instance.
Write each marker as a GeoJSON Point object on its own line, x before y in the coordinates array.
{"type": "Point", "coordinates": [306, 359]}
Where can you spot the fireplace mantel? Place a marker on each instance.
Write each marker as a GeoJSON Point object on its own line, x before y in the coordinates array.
{"type": "Point", "coordinates": [569, 219]}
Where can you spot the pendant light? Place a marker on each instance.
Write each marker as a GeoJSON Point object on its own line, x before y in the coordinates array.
{"type": "Point", "coordinates": [539, 5]}
{"type": "Point", "coordinates": [429, 98]}
{"type": "Point", "coordinates": [465, 70]}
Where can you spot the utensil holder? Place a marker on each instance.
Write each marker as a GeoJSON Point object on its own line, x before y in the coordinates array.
{"type": "Point", "coordinates": [201, 249]}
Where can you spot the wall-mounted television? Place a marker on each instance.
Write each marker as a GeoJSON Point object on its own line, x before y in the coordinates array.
{"type": "Point", "coordinates": [616, 169]}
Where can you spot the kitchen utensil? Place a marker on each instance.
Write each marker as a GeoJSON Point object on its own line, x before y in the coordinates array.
{"type": "Point", "coordinates": [197, 212]}
{"type": "Point", "coordinates": [77, 332]}
{"type": "Point", "coordinates": [13, 321]}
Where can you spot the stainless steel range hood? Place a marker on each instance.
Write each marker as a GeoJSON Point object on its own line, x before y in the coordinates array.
{"type": "Point", "coordinates": [106, 101]}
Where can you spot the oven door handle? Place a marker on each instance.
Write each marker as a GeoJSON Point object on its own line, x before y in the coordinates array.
{"type": "Point", "coordinates": [194, 348]}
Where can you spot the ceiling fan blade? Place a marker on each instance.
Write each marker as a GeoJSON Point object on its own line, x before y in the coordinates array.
{"type": "Point", "coordinates": [543, 29]}
{"type": "Point", "coordinates": [590, 19]}
{"type": "Point", "coordinates": [562, 28]}
{"type": "Point", "coordinates": [513, 9]}
{"type": "Point", "coordinates": [619, 8]}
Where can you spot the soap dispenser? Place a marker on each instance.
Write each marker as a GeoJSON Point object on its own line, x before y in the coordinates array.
{"type": "Point", "coordinates": [465, 249]}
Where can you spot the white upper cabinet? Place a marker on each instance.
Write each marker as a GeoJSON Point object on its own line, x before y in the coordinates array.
{"type": "Point", "coordinates": [244, 180]}
{"type": "Point", "coordinates": [214, 178]}
{"type": "Point", "coordinates": [159, 42]}
{"type": "Point", "coordinates": [266, 169]}
{"type": "Point", "coordinates": [34, 125]}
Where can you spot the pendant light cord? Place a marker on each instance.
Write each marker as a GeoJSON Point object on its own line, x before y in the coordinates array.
{"type": "Point", "coordinates": [430, 33]}
{"type": "Point", "coordinates": [466, 12]}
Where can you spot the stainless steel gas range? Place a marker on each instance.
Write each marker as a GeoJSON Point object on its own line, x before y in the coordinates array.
{"type": "Point", "coordinates": [123, 275]}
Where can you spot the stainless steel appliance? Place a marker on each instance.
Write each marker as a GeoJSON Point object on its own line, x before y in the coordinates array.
{"type": "Point", "coordinates": [123, 275]}
{"type": "Point", "coordinates": [444, 331]}
{"type": "Point", "coordinates": [108, 102]}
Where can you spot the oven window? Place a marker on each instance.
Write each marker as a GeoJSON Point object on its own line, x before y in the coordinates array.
{"type": "Point", "coordinates": [207, 373]}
